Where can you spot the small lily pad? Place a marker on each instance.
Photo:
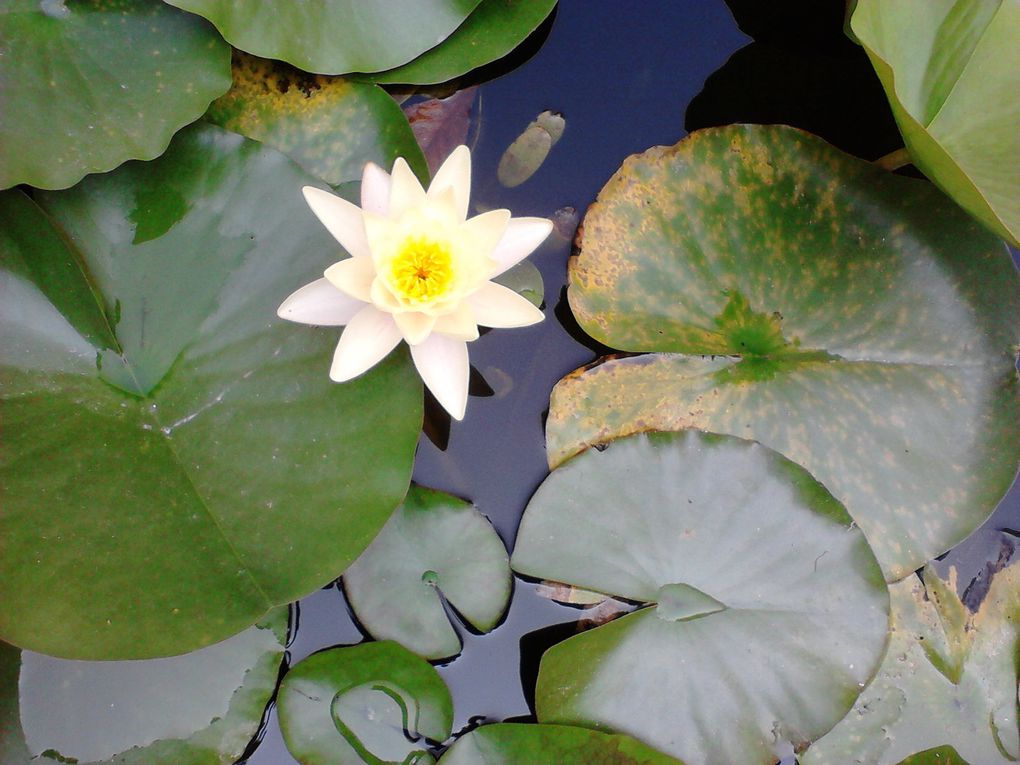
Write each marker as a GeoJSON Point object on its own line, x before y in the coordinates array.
{"type": "Point", "coordinates": [371, 703]}
{"type": "Point", "coordinates": [767, 611]}
{"type": "Point", "coordinates": [434, 548]}
{"type": "Point", "coordinates": [946, 681]}
{"type": "Point", "coordinates": [524, 279]}
{"type": "Point", "coordinates": [525, 155]}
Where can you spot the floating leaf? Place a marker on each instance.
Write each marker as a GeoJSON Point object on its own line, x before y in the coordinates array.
{"type": "Point", "coordinates": [525, 155]}
{"type": "Point", "coordinates": [951, 71]}
{"type": "Point", "coordinates": [524, 279]}
{"type": "Point", "coordinates": [370, 703]}
{"type": "Point", "coordinates": [878, 327]}
{"type": "Point", "coordinates": [915, 704]}
{"type": "Point", "coordinates": [512, 744]}
{"type": "Point", "coordinates": [328, 125]}
{"type": "Point", "coordinates": [768, 608]}
{"type": "Point", "coordinates": [176, 461]}
{"type": "Point", "coordinates": [334, 36]}
{"type": "Point", "coordinates": [13, 750]}
{"type": "Point", "coordinates": [91, 84]}
{"type": "Point", "coordinates": [434, 548]}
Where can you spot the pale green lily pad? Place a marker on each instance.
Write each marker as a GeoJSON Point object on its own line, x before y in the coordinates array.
{"type": "Point", "coordinates": [90, 84]}
{"type": "Point", "coordinates": [434, 548]}
{"type": "Point", "coordinates": [176, 460]}
{"type": "Point", "coordinates": [513, 744]}
{"type": "Point", "coordinates": [949, 679]}
{"type": "Point", "coordinates": [373, 703]}
{"type": "Point", "coordinates": [767, 612]}
{"type": "Point", "coordinates": [330, 126]}
{"type": "Point", "coordinates": [877, 323]}
{"type": "Point", "coordinates": [202, 708]}
{"type": "Point", "coordinates": [525, 155]}
{"type": "Point", "coordinates": [951, 71]}
{"type": "Point", "coordinates": [334, 36]}
{"type": "Point", "coordinates": [524, 279]}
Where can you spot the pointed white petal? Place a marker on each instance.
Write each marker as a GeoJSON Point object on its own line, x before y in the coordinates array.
{"type": "Point", "coordinates": [405, 191]}
{"type": "Point", "coordinates": [498, 306]}
{"type": "Point", "coordinates": [366, 340]}
{"type": "Point", "coordinates": [460, 324]}
{"type": "Point", "coordinates": [487, 230]}
{"type": "Point", "coordinates": [353, 276]}
{"type": "Point", "coordinates": [341, 218]}
{"type": "Point", "coordinates": [521, 238]}
{"type": "Point", "coordinates": [455, 174]}
{"type": "Point", "coordinates": [414, 326]}
{"type": "Point", "coordinates": [375, 189]}
{"type": "Point", "coordinates": [319, 303]}
{"type": "Point", "coordinates": [443, 364]}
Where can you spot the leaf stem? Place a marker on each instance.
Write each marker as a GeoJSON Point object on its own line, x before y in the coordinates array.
{"type": "Point", "coordinates": [894, 160]}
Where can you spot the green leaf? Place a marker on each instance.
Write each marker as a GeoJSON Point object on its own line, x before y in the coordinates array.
{"type": "Point", "coordinates": [524, 279]}
{"type": "Point", "coordinates": [767, 607]}
{"type": "Point", "coordinates": [90, 84]}
{"type": "Point", "coordinates": [13, 750]}
{"type": "Point", "coordinates": [434, 548]}
{"type": "Point", "coordinates": [176, 461]}
{"type": "Point", "coordinates": [335, 36]}
{"type": "Point", "coordinates": [877, 327]}
{"type": "Point", "coordinates": [330, 126]}
{"type": "Point", "coordinates": [202, 708]}
{"type": "Point", "coordinates": [492, 30]}
{"type": "Point", "coordinates": [951, 71]}
{"type": "Point", "coordinates": [941, 755]}
{"type": "Point", "coordinates": [513, 744]}
{"type": "Point", "coordinates": [913, 706]}
{"type": "Point", "coordinates": [374, 704]}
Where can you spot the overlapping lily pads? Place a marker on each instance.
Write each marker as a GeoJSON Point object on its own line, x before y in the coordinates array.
{"type": "Point", "coordinates": [176, 461]}
{"type": "Point", "coordinates": [370, 703]}
{"type": "Point", "coordinates": [88, 85]}
{"type": "Point", "coordinates": [434, 548]}
{"type": "Point", "coordinates": [951, 71]}
{"type": "Point", "coordinates": [949, 679]}
{"type": "Point", "coordinates": [768, 610]}
{"type": "Point", "coordinates": [877, 327]}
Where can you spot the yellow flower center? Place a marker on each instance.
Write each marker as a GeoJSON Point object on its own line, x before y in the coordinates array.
{"type": "Point", "coordinates": [422, 270]}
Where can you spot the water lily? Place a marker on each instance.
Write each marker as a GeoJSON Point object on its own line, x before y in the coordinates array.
{"type": "Point", "coordinates": [420, 271]}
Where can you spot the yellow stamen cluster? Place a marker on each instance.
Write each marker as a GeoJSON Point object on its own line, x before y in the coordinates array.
{"type": "Point", "coordinates": [421, 271]}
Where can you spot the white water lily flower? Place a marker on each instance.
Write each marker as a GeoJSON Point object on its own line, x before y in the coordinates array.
{"type": "Point", "coordinates": [419, 271]}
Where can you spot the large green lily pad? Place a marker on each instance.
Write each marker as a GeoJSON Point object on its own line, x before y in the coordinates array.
{"type": "Point", "coordinates": [373, 703]}
{"type": "Point", "coordinates": [335, 36]}
{"type": "Point", "coordinates": [767, 612]}
{"type": "Point", "coordinates": [202, 708]}
{"type": "Point", "coordinates": [176, 461]}
{"type": "Point", "coordinates": [877, 327]}
{"type": "Point", "coordinates": [951, 71]}
{"type": "Point", "coordinates": [512, 744]}
{"type": "Point", "coordinates": [434, 548]}
{"type": "Point", "coordinates": [949, 679]}
{"type": "Point", "coordinates": [330, 126]}
{"type": "Point", "coordinates": [89, 84]}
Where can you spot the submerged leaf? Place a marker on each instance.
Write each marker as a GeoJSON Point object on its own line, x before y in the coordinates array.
{"type": "Point", "coordinates": [525, 155]}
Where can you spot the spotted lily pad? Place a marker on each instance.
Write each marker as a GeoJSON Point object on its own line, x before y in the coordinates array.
{"type": "Point", "coordinates": [511, 744]}
{"type": "Point", "coordinates": [766, 611]}
{"type": "Point", "coordinates": [176, 461]}
{"type": "Point", "coordinates": [868, 326]}
{"type": "Point", "coordinates": [90, 84]}
{"type": "Point", "coordinates": [949, 679]}
{"type": "Point", "coordinates": [951, 71]}
{"type": "Point", "coordinates": [373, 703]}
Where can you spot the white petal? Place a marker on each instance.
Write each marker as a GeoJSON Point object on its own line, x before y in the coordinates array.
{"type": "Point", "coordinates": [319, 303]}
{"type": "Point", "coordinates": [443, 364]}
{"type": "Point", "coordinates": [521, 238]}
{"type": "Point", "coordinates": [414, 326]}
{"type": "Point", "coordinates": [486, 230]}
{"type": "Point", "coordinates": [341, 218]}
{"type": "Point", "coordinates": [353, 276]}
{"type": "Point", "coordinates": [460, 324]}
{"type": "Point", "coordinates": [405, 191]}
{"type": "Point", "coordinates": [498, 306]}
{"type": "Point", "coordinates": [375, 189]}
{"type": "Point", "coordinates": [455, 174]}
{"type": "Point", "coordinates": [366, 340]}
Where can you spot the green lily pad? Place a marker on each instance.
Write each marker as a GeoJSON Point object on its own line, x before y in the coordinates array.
{"type": "Point", "coordinates": [877, 327]}
{"type": "Point", "coordinates": [767, 610]}
{"type": "Point", "coordinates": [512, 744]}
{"type": "Point", "coordinates": [335, 36]}
{"type": "Point", "coordinates": [330, 126]}
{"type": "Point", "coordinates": [949, 679]}
{"type": "Point", "coordinates": [492, 30]}
{"type": "Point", "coordinates": [951, 71]}
{"type": "Point", "coordinates": [524, 279]}
{"type": "Point", "coordinates": [202, 708]}
{"type": "Point", "coordinates": [434, 548]}
{"type": "Point", "coordinates": [373, 703]}
{"type": "Point", "coordinates": [13, 750]}
{"type": "Point", "coordinates": [90, 84]}
{"type": "Point", "coordinates": [940, 755]}
{"type": "Point", "coordinates": [176, 461]}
